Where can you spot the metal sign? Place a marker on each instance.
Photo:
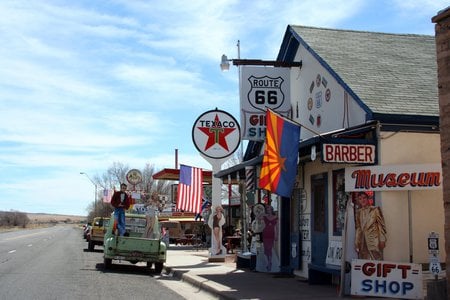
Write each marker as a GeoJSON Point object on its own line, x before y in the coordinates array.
{"type": "Point", "coordinates": [433, 243]}
{"type": "Point", "coordinates": [134, 176]}
{"type": "Point", "coordinates": [262, 88]}
{"type": "Point", "coordinates": [216, 134]}
{"type": "Point", "coordinates": [435, 266]}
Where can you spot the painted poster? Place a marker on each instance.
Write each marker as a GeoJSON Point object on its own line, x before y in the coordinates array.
{"type": "Point", "coordinates": [267, 256]}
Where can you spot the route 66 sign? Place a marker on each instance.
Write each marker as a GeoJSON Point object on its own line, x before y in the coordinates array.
{"type": "Point", "coordinates": [262, 88]}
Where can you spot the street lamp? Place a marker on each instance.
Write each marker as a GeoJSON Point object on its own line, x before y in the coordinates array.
{"type": "Point", "coordinates": [95, 185]}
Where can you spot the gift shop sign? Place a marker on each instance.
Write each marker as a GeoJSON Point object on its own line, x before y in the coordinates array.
{"type": "Point", "coordinates": [262, 88]}
{"type": "Point", "coordinates": [386, 279]}
{"type": "Point", "coordinates": [393, 177]}
{"type": "Point", "coordinates": [216, 134]}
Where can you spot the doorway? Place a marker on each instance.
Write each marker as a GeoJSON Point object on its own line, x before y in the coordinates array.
{"type": "Point", "coordinates": [319, 219]}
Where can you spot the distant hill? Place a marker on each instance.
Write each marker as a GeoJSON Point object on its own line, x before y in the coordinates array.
{"type": "Point", "coordinates": [12, 220]}
{"type": "Point", "coordinates": [54, 218]}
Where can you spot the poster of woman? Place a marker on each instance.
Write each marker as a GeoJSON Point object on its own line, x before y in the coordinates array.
{"type": "Point", "coordinates": [215, 222]}
{"type": "Point", "coordinates": [267, 259]}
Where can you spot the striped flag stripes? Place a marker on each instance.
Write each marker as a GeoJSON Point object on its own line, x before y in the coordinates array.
{"type": "Point", "coordinates": [190, 189]}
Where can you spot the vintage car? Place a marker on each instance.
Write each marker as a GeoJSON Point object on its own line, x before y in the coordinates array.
{"type": "Point", "coordinates": [97, 232]}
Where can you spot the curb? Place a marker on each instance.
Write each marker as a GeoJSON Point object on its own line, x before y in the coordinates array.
{"type": "Point", "coordinates": [203, 284]}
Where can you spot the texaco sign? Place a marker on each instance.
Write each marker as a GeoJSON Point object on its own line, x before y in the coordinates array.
{"type": "Point", "coordinates": [216, 134]}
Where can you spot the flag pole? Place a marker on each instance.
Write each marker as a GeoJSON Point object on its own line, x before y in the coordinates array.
{"type": "Point", "coordinates": [295, 122]}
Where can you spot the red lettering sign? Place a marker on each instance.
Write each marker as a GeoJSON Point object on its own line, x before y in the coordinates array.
{"type": "Point", "coordinates": [348, 153]}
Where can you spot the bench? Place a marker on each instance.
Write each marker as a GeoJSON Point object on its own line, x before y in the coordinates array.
{"type": "Point", "coordinates": [322, 274]}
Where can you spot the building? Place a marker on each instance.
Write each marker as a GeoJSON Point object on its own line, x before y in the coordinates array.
{"type": "Point", "coordinates": [368, 103]}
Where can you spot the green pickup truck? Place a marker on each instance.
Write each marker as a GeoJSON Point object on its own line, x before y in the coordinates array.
{"type": "Point", "coordinates": [138, 244]}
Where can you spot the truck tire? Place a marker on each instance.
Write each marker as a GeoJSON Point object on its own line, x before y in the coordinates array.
{"type": "Point", "coordinates": [158, 267]}
{"type": "Point", "coordinates": [107, 262]}
{"type": "Point", "coordinates": [149, 265]}
{"type": "Point", "coordinates": [91, 245]}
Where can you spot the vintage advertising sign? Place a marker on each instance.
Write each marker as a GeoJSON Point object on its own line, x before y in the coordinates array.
{"type": "Point", "coordinates": [393, 177]}
{"type": "Point", "coordinates": [216, 134]}
{"type": "Point", "coordinates": [262, 88]}
{"type": "Point", "coordinates": [349, 153]}
{"type": "Point", "coordinates": [134, 176]}
{"type": "Point", "coordinates": [386, 279]}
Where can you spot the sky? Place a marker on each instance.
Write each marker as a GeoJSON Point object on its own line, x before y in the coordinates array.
{"type": "Point", "coordinates": [85, 84]}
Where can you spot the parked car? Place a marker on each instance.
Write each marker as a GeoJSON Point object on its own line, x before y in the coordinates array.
{"type": "Point", "coordinates": [97, 232]}
{"type": "Point", "coordinates": [87, 231]}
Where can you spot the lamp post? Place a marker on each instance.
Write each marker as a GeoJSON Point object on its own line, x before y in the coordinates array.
{"type": "Point", "coordinates": [95, 185]}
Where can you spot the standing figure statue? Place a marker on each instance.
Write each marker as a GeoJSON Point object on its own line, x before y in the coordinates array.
{"type": "Point", "coordinates": [216, 221]}
{"type": "Point", "coordinates": [370, 236]}
{"type": "Point", "coordinates": [270, 236]}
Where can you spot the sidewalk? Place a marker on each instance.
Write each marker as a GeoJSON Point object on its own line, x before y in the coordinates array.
{"type": "Point", "coordinates": [226, 281]}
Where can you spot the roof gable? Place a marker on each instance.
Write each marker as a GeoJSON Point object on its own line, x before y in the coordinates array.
{"type": "Point", "coordinates": [389, 73]}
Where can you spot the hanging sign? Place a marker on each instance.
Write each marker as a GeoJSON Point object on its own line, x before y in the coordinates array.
{"type": "Point", "coordinates": [262, 88]}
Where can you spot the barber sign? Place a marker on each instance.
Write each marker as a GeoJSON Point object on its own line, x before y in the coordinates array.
{"type": "Point", "coordinates": [386, 279]}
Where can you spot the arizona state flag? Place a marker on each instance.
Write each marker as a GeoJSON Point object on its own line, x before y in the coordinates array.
{"type": "Point", "coordinates": [279, 164]}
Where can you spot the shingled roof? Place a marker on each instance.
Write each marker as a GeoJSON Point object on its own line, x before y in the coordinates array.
{"type": "Point", "coordinates": [389, 73]}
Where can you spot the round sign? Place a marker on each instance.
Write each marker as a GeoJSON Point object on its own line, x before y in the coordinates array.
{"type": "Point", "coordinates": [134, 176]}
{"type": "Point", "coordinates": [216, 134]}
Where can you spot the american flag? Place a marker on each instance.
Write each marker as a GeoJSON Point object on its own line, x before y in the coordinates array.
{"type": "Point", "coordinates": [107, 195]}
{"type": "Point", "coordinates": [190, 189]}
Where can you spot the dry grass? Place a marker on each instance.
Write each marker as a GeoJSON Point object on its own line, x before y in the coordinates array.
{"type": "Point", "coordinates": [36, 218]}
{"type": "Point", "coordinates": [44, 220]}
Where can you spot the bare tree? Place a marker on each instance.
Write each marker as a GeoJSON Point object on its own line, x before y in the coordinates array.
{"type": "Point", "coordinates": [114, 176]}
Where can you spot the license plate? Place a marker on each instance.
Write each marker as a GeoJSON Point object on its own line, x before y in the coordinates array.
{"type": "Point", "coordinates": [136, 254]}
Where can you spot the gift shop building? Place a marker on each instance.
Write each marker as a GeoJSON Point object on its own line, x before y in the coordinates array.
{"type": "Point", "coordinates": [368, 108]}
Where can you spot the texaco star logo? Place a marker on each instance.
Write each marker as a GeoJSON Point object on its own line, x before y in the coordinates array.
{"type": "Point", "coordinates": [216, 134]}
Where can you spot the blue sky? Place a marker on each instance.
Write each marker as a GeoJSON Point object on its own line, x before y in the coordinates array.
{"type": "Point", "coordinates": [87, 83]}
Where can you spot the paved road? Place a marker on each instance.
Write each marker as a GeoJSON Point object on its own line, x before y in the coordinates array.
{"type": "Point", "coordinates": [54, 263]}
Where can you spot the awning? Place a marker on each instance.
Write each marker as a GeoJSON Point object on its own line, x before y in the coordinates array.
{"type": "Point", "coordinates": [174, 174]}
{"type": "Point", "coordinates": [304, 149]}
{"type": "Point", "coordinates": [238, 169]}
